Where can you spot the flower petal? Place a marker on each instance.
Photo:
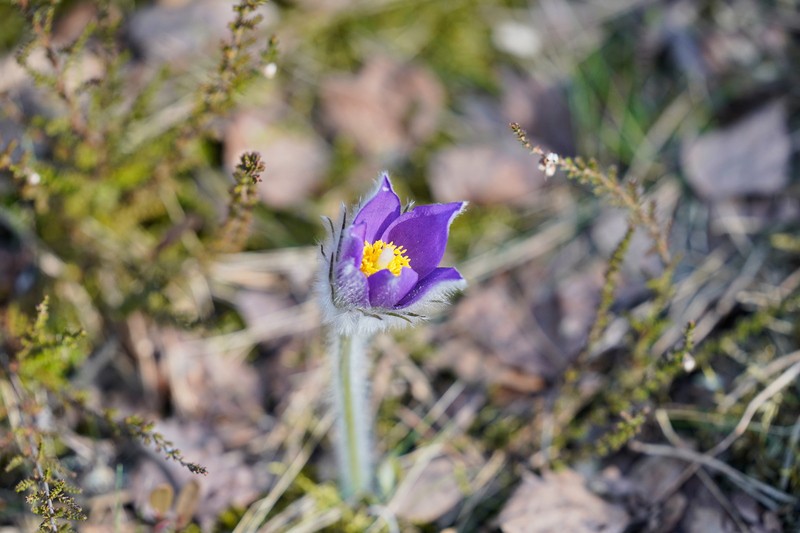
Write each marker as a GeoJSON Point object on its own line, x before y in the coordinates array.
{"type": "Point", "coordinates": [423, 232]}
{"type": "Point", "coordinates": [352, 244]}
{"type": "Point", "coordinates": [350, 284]}
{"type": "Point", "coordinates": [380, 210]}
{"type": "Point", "coordinates": [386, 289]}
{"type": "Point", "coordinates": [429, 283]}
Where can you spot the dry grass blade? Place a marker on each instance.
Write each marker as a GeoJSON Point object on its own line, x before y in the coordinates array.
{"type": "Point", "coordinates": [709, 295]}
{"type": "Point", "coordinates": [764, 493]}
{"type": "Point", "coordinates": [519, 252]}
{"type": "Point", "coordinates": [257, 513]}
{"type": "Point", "coordinates": [299, 319]}
{"type": "Point", "coordinates": [785, 379]}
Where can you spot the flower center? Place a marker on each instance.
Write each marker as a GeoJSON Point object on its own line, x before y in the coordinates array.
{"type": "Point", "coordinates": [379, 255]}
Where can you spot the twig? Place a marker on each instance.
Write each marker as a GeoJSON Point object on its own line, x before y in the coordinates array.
{"type": "Point", "coordinates": [257, 512]}
{"type": "Point", "coordinates": [675, 440]}
{"type": "Point", "coordinates": [755, 404]}
{"type": "Point", "coordinates": [762, 373]}
{"type": "Point", "coordinates": [625, 194]}
{"type": "Point", "coordinates": [661, 416]}
{"type": "Point", "coordinates": [726, 504]}
{"type": "Point", "coordinates": [764, 493]}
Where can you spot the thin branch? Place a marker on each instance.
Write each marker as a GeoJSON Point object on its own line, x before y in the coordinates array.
{"type": "Point", "coordinates": [764, 493]}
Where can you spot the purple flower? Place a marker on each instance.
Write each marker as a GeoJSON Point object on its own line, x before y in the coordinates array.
{"type": "Point", "coordinates": [385, 263]}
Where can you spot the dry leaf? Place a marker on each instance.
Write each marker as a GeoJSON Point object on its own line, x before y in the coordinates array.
{"type": "Point", "coordinates": [501, 324]}
{"type": "Point", "coordinates": [186, 506]}
{"type": "Point", "coordinates": [707, 519]}
{"type": "Point", "coordinates": [161, 498]}
{"type": "Point", "coordinates": [386, 109]}
{"type": "Point", "coordinates": [750, 157]}
{"type": "Point", "coordinates": [175, 32]}
{"type": "Point", "coordinates": [429, 496]}
{"type": "Point", "coordinates": [205, 383]}
{"type": "Point", "coordinates": [232, 479]}
{"type": "Point", "coordinates": [487, 173]}
{"type": "Point", "coordinates": [577, 296]}
{"type": "Point", "coordinates": [560, 502]}
{"type": "Point", "coordinates": [653, 476]}
{"type": "Point", "coordinates": [541, 109]}
{"type": "Point", "coordinates": [296, 162]}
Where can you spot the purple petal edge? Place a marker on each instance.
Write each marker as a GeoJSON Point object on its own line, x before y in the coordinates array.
{"type": "Point", "coordinates": [423, 232]}
{"type": "Point", "coordinates": [380, 210]}
{"type": "Point", "coordinates": [428, 283]}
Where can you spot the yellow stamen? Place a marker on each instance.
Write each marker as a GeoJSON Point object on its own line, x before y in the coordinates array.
{"type": "Point", "coordinates": [379, 255]}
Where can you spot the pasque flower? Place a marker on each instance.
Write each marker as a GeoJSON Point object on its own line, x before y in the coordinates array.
{"type": "Point", "coordinates": [383, 263]}
{"type": "Point", "coordinates": [380, 269]}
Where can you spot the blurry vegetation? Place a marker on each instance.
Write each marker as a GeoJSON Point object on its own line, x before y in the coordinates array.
{"type": "Point", "coordinates": [114, 198]}
{"type": "Point", "coordinates": [117, 221]}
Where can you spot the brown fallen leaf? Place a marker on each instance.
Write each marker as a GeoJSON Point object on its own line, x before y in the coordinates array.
{"type": "Point", "coordinates": [182, 32]}
{"type": "Point", "coordinates": [559, 502]}
{"type": "Point", "coordinates": [577, 297]}
{"type": "Point", "coordinates": [202, 383]}
{"type": "Point", "coordinates": [485, 173]}
{"type": "Point", "coordinates": [232, 479]}
{"type": "Point", "coordinates": [430, 490]}
{"type": "Point", "coordinates": [654, 476]}
{"type": "Point", "coordinates": [750, 157]}
{"type": "Point", "coordinates": [541, 109]}
{"type": "Point", "coordinates": [296, 162]}
{"type": "Point", "coordinates": [386, 109]}
{"type": "Point", "coordinates": [500, 324]}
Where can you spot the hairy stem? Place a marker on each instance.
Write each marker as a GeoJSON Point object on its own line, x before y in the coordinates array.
{"type": "Point", "coordinates": [353, 419]}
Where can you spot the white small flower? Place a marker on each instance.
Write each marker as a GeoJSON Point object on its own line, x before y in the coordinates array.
{"type": "Point", "coordinates": [270, 70]}
{"type": "Point", "coordinates": [549, 164]}
{"type": "Point", "coordinates": [688, 362]}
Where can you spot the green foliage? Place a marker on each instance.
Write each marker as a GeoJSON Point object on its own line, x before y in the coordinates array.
{"type": "Point", "coordinates": [116, 200]}
{"type": "Point", "coordinates": [118, 214]}
{"type": "Point", "coordinates": [243, 198]}
{"type": "Point", "coordinates": [638, 379]}
{"type": "Point", "coordinates": [46, 356]}
{"type": "Point", "coordinates": [51, 498]}
{"type": "Point", "coordinates": [609, 285]}
{"type": "Point", "coordinates": [136, 427]}
{"type": "Point", "coordinates": [447, 36]}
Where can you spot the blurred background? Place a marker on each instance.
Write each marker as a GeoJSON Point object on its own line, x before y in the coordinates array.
{"type": "Point", "coordinates": [176, 297]}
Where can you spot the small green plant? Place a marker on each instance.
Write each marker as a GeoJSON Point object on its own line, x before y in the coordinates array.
{"type": "Point", "coordinates": [111, 214]}
{"type": "Point", "coordinates": [606, 419]}
{"type": "Point", "coordinates": [621, 410]}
